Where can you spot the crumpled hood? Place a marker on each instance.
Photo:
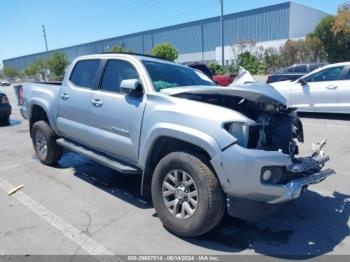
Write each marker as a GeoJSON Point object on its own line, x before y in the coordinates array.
{"type": "Point", "coordinates": [253, 92]}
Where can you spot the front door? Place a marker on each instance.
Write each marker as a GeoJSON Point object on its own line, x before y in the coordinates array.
{"type": "Point", "coordinates": [319, 93]}
{"type": "Point", "coordinates": [116, 117]}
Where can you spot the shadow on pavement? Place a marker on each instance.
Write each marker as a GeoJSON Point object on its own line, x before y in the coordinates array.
{"type": "Point", "coordinates": [325, 116]}
{"type": "Point", "coordinates": [125, 187]}
{"type": "Point", "coordinates": [13, 122]}
{"type": "Point", "coordinates": [308, 227]}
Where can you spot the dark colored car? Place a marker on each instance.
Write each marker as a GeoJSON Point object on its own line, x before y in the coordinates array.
{"type": "Point", "coordinates": [293, 72]}
{"type": "Point", "coordinates": [201, 67]}
{"type": "Point", "coordinates": [5, 109]}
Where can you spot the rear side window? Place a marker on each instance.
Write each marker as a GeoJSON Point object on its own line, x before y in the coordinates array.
{"type": "Point", "coordinates": [314, 67]}
{"type": "Point", "coordinates": [85, 73]}
{"type": "Point", "coordinates": [117, 71]}
{"type": "Point", "coordinates": [290, 69]}
{"type": "Point", "coordinates": [300, 69]}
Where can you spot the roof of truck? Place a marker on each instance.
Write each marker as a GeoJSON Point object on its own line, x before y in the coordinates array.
{"type": "Point", "coordinates": [107, 55]}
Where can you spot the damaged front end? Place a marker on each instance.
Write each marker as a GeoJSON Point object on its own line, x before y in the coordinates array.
{"type": "Point", "coordinates": [261, 169]}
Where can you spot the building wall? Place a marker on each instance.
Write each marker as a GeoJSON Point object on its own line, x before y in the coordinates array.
{"type": "Point", "coordinates": [198, 40]}
{"type": "Point", "coordinates": [303, 20]}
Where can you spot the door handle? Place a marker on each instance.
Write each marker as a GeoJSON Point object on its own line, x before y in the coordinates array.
{"type": "Point", "coordinates": [65, 96]}
{"type": "Point", "coordinates": [97, 102]}
{"type": "Point", "coordinates": [331, 87]}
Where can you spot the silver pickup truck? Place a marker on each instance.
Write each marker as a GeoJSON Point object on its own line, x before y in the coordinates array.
{"type": "Point", "coordinates": [200, 149]}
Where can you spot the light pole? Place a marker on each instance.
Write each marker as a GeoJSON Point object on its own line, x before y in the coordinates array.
{"type": "Point", "coordinates": [47, 49]}
{"type": "Point", "coordinates": [222, 34]}
{"type": "Point", "coordinates": [47, 52]}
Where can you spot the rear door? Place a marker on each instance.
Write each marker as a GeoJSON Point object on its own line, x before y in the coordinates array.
{"type": "Point", "coordinates": [75, 101]}
{"type": "Point", "coordinates": [344, 92]}
{"type": "Point", "coordinates": [116, 118]}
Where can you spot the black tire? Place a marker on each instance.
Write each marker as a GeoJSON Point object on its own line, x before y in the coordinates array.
{"type": "Point", "coordinates": [53, 152]}
{"type": "Point", "coordinates": [5, 121]}
{"type": "Point", "coordinates": [211, 201]}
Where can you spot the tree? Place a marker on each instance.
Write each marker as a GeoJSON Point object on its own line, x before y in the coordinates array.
{"type": "Point", "coordinates": [313, 49]}
{"type": "Point", "coordinates": [120, 49]}
{"type": "Point", "coordinates": [216, 69]}
{"type": "Point", "coordinates": [251, 63]}
{"type": "Point", "coordinates": [165, 51]}
{"type": "Point", "coordinates": [11, 72]}
{"type": "Point", "coordinates": [334, 34]}
{"type": "Point", "coordinates": [290, 51]}
{"type": "Point", "coordinates": [342, 20]}
{"type": "Point", "coordinates": [273, 59]}
{"type": "Point", "coordinates": [32, 70]}
{"type": "Point", "coordinates": [57, 64]}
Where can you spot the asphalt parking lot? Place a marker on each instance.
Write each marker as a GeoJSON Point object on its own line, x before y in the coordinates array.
{"type": "Point", "coordinates": [80, 207]}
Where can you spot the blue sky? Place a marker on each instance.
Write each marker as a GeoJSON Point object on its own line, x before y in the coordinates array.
{"type": "Point", "coordinates": [78, 21]}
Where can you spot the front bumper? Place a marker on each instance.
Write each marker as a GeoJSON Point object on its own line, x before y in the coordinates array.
{"type": "Point", "coordinates": [239, 170]}
{"type": "Point", "coordinates": [295, 187]}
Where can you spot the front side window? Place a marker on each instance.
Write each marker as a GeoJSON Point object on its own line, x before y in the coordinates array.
{"type": "Point", "coordinates": [329, 74]}
{"type": "Point", "coordinates": [347, 77]}
{"type": "Point", "coordinates": [164, 75]}
{"type": "Point", "coordinates": [85, 73]}
{"type": "Point", "coordinates": [117, 71]}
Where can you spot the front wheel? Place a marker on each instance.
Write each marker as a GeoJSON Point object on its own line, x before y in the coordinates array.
{"type": "Point", "coordinates": [186, 194]}
{"type": "Point", "coordinates": [44, 142]}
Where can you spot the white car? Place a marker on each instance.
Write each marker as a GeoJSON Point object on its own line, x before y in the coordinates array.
{"type": "Point", "coordinates": [327, 90]}
{"type": "Point", "coordinates": [4, 82]}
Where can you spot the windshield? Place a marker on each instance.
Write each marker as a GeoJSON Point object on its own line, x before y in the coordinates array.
{"type": "Point", "coordinates": [165, 75]}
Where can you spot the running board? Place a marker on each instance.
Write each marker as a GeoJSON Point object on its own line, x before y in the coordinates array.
{"type": "Point", "coordinates": [100, 158]}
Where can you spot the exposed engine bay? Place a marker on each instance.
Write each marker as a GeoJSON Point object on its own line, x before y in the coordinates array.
{"type": "Point", "coordinates": [276, 127]}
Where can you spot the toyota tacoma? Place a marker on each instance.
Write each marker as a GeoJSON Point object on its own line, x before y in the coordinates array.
{"type": "Point", "coordinates": [202, 150]}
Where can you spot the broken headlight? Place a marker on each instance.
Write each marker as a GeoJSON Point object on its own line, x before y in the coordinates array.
{"type": "Point", "coordinates": [240, 131]}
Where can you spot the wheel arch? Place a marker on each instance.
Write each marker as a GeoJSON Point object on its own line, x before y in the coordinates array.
{"type": "Point", "coordinates": [39, 112]}
{"type": "Point", "coordinates": [163, 141]}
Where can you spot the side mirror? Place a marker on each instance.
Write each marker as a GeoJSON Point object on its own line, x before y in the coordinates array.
{"type": "Point", "coordinates": [131, 87]}
{"type": "Point", "coordinates": [302, 81]}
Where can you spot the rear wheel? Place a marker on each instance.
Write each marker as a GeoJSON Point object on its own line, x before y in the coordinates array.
{"type": "Point", "coordinates": [44, 142]}
{"type": "Point", "coordinates": [186, 194]}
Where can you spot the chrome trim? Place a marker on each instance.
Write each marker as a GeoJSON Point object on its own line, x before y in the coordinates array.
{"type": "Point", "coordinates": [295, 187]}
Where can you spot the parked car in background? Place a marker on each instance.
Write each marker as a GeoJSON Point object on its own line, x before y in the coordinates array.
{"type": "Point", "coordinates": [326, 90]}
{"type": "Point", "coordinates": [5, 109]}
{"type": "Point", "coordinates": [222, 80]}
{"type": "Point", "coordinates": [293, 72]}
{"type": "Point", "coordinates": [5, 82]}
{"type": "Point", "coordinates": [201, 67]}
{"type": "Point", "coordinates": [199, 148]}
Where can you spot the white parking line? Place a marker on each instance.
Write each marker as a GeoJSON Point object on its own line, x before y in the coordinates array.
{"type": "Point", "coordinates": [82, 240]}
